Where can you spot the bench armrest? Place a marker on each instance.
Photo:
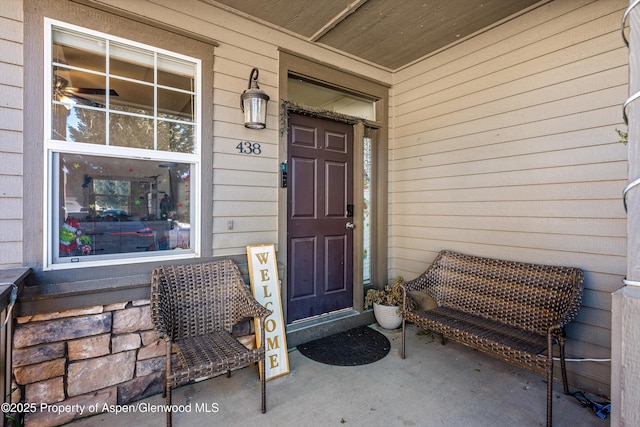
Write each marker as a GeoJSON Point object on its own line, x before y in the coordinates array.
{"type": "Point", "coordinates": [417, 284]}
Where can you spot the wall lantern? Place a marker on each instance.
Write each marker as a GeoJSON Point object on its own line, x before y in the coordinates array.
{"type": "Point", "coordinates": [253, 103]}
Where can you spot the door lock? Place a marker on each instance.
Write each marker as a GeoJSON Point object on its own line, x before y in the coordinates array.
{"type": "Point", "coordinates": [349, 226]}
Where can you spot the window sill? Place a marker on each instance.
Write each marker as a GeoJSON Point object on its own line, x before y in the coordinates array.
{"type": "Point", "coordinates": [55, 297]}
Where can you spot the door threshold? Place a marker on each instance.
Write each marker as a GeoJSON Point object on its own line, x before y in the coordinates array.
{"type": "Point", "coordinates": [321, 318]}
{"type": "Point", "coordinates": [305, 330]}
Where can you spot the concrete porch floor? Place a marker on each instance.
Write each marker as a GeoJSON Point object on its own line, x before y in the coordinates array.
{"type": "Point", "coordinates": [435, 385]}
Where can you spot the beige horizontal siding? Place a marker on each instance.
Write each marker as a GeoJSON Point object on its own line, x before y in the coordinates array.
{"type": "Point", "coordinates": [505, 146]}
{"type": "Point", "coordinates": [11, 90]}
{"type": "Point", "coordinates": [245, 186]}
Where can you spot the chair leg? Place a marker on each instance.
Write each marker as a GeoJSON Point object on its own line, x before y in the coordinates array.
{"type": "Point", "coordinates": [167, 387]}
{"type": "Point", "coordinates": [228, 373]}
{"type": "Point", "coordinates": [263, 384]}
{"type": "Point", "coordinates": [168, 401]}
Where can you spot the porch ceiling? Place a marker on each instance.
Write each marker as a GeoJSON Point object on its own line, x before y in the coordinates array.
{"type": "Point", "coordinates": [388, 33]}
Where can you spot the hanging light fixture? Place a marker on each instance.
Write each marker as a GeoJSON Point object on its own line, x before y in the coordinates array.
{"type": "Point", "coordinates": [253, 103]}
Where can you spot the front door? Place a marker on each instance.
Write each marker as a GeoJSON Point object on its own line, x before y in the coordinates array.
{"type": "Point", "coordinates": [320, 210]}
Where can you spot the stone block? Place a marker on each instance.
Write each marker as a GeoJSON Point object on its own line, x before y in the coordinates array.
{"type": "Point", "coordinates": [23, 319]}
{"type": "Point", "coordinates": [156, 349]}
{"type": "Point", "coordinates": [16, 393]}
{"type": "Point", "coordinates": [48, 391]}
{"type": "Point", "coordinates": [35, 333]}
{"type": "Point", "coordinates": [132, 320]}
{"type": "Point", "coordinates": [87, 348]}
{"type": "Point", "coordinates": [149, 337]}
{"type": "Point", "coordinates": [125, 342]}
{"type": "Point", "coordinates": [116, 306]}
{"type": "Point", "coordinates": [72, 408]}
{"type": "Point", "coordinates": [140, 387]}
{"type": "Point", "coordinates": [94, 374]}
{"type": "Point", "coordinates": [150, 366]}
{"type": "Point", "coordinates": [39, 371]}
{"type": "Point", "coordinates": [67, 313]}
{"type": "Point", "coordinates": [140, 302]}
{"type": "Point", "coordinates": [37, 354]}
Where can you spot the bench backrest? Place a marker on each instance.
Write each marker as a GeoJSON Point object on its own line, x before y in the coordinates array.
{"type": "Point", "coordinates": [529, 296]}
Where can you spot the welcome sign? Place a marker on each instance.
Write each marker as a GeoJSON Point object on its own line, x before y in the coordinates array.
{"type": "Point", "coordinates": [263, 275]}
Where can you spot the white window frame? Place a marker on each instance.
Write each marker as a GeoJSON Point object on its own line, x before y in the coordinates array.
{"type": "Point", "coordinates": [54, 146]}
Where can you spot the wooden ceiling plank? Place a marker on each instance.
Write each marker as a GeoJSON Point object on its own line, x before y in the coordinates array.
{"type": "Point", "coordinates": [337, 19]}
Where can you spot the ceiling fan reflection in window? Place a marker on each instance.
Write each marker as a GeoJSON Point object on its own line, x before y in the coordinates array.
{"type": "Point", "coordinates": [70, 95]}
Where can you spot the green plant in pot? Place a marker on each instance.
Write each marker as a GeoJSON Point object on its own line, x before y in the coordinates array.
{"type": "Point", "coordinates": [386, 304]}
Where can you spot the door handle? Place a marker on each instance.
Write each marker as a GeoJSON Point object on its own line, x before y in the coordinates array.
{"type": "Point", "coordinates": [349, 225]}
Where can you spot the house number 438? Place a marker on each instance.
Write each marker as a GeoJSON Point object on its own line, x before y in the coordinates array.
{"type": "Point", "coordinates": [246, 147]}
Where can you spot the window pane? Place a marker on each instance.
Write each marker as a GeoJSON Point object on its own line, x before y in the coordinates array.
{"type": "Point", "coordinates": [79, 87]}
{"type": "Point", "coordinates": [317, 96]}
{"type": "Point", "coordinates": [131, 97]}
{"type": "Point", "coordinates": [366, 229]}
{"type": "Point", "coordinates": [176, 137]}
{"type": "Point", "coordinates": [114, 206]}
{"type": "Point", "coordinates": [78, 50]}
{"type": "Point", "coordinates": [176, 73]}
{"type": "Point", "coordinates": [130, 131]}
{"type": "Point", "coordinates": [74, 124]}
{"type": "Point", "coordinates": [130, 62]}
{"type": "Point", "coordinates": [175, 105]}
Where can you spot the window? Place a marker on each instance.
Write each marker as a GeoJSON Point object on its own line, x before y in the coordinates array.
{"type": "Point", "coordinates": [123, 150]}
{"type": "Point", "coordinates": [367, 208]}
{"type": "Point", "coordinates": [315, 95]}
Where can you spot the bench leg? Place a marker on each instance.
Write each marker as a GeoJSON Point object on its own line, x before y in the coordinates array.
{"type": "Point", "coordinates": [403, 335]}
{"type": "Point", "coordinates": [563, 365]}
{"type": "Point", "coordinates": [549, 380]}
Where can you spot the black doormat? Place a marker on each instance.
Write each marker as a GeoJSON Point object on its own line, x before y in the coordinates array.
{"type": "Point", "coordinates": [357, 346]}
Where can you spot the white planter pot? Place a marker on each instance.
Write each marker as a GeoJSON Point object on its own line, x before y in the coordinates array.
{"type": "Point", "coordinates": [387, 316]}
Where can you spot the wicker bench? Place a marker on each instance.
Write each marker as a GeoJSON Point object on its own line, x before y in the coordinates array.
{"type": "Point", "coordinates": [514, 311]}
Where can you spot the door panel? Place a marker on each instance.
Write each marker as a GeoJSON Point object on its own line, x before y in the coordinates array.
{"type": "Point", "coordinates": [303, 203]}
{"type": "Point", "coordinates": [335, 186]}
{"type": "Point", "coordinates": [320, 247]}
{"type": "Point", "coordinates": [335, 277]}
{"type": "Point", "coordinates": [303, 266]}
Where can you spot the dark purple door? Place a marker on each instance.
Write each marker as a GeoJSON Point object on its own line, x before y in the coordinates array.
{"type": "Point", "coordinates": [320, 233]}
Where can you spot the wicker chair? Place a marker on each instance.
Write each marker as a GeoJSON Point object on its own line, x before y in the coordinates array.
{"type": "Point", "coordinates": [194, 308]}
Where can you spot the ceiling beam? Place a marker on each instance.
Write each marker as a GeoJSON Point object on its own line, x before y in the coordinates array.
{"type": "Point", "coordinates": [337, 19]}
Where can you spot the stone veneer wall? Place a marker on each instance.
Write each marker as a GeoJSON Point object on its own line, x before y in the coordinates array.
{"type": "Point", "coordinates": [93, 356]}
